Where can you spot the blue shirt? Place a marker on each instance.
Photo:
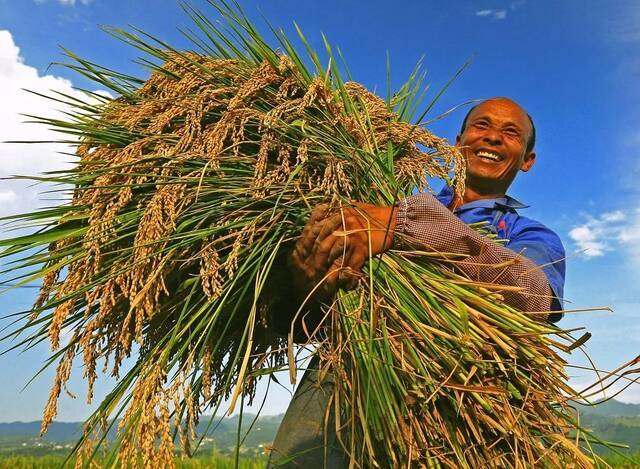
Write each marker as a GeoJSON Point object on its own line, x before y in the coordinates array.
{"type": "Point", "coordinates": [523, 235]}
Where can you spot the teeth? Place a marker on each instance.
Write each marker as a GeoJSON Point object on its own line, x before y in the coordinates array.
{"type": "Point", "coordinates": [491, 156]}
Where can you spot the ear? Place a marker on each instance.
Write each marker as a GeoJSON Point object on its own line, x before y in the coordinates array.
{"type": "Point", "coordinates": [529, 160]}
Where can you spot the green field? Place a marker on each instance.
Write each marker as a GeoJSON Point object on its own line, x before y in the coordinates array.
{"type": "Point", "coordinates": [220, 462]}
{"type": "Point", "coordinates": [618, 461]}
{"type": "Point", "coordinates": [22, 447]}
{"type": "Point", "coordinates": [214, 461]}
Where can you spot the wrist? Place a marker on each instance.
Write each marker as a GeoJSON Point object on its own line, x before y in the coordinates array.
{"type": "Point", "coordinates": [386, 218]}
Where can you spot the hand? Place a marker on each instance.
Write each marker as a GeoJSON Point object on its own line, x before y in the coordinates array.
{"type": "Point", "coordinates": [334, 246]}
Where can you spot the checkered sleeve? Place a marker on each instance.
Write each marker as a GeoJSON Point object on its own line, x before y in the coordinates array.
{"type": "Point", "coordinates": [425, 223]}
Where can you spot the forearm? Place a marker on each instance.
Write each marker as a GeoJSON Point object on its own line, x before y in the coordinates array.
{"type": "Point", "coordinates": [289, 305]}
{"type": "Point", "coordinates": [426, 223]}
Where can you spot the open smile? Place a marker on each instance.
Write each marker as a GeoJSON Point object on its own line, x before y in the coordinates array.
{"type": "Point", "coordinates": [488, 155]}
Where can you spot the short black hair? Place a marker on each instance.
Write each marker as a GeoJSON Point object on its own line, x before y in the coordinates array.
{"type": "Point", "coordinates": [532, 138]}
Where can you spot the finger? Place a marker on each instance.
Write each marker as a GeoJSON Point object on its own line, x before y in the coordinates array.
{"type": "Point", "coordinates": [337, 250]}
{"type": "Point", "coordinates": [334, 272]}
{"type": "Point", "coordinates": [329, 225]}
{"type": "Point", "coordinates": [357, 259]}
{"type": "Point", "coordinates": [318, 213]}
{"type": "Point", "coordinates": [307, 238]}
{"type": "Point", "coordinates": [304, 244]}
{"type": "Point", "coordinates": [311, 228]}
{"type": "Point", "coordinates": [320, 258]}
{"type": "Point", "coordinates": [314, 232]}
{"type": "Point", "coordinates": [348, 278]}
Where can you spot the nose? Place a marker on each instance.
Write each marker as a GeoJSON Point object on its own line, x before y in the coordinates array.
{"type": "Point", "coordinates": [492, 137]}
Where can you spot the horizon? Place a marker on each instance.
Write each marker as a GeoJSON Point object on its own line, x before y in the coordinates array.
{"type": "Point", "coordinates": [251, 414]}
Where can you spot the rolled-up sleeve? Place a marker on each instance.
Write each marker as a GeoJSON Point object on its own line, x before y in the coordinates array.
{"type": "Point", "coordinates": [545, 249]}
{"type": "Point", "coordinates": [424, 222]}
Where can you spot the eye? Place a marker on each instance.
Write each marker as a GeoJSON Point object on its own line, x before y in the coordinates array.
{"type": "Point", "coordinates": [512, 132]}
{"type": "Point", "coordinates": [480, 124]}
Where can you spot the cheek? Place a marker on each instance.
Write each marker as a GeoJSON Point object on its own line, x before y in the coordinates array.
{"type": "Point", "coordinates": [512, 167]}
{"type": "Point", "coordinates": [468, 137]}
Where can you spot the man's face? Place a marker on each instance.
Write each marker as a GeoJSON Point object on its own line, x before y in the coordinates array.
{"type": "Point", "coordinates": [494, 143]}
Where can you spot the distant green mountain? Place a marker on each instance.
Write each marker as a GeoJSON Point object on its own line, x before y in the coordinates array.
{"type": "Point", "coordinates": [221, 434]}
{"type": "Point", "coordinates": [59, 431]}
{"type": "Point", "coordinates": [614, 422]}
{"type": "Point", "coordinates": [612, 408]}
{"type": "Point", "coordinates": [611, 421]}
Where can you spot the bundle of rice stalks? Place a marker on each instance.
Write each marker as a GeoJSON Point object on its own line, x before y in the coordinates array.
{"type": "Point", "coordinates": [189, 189]}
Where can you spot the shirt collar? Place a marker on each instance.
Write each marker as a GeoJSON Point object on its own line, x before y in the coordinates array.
{"type": "Point", "coordinates": [446, 195]}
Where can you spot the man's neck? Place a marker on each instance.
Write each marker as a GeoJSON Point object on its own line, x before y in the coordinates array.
{"type": "Point", "coordinates": [471, 195]}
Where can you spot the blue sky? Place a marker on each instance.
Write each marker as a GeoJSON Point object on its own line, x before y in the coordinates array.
{"type": "Point", "coordinates": [573, 65]}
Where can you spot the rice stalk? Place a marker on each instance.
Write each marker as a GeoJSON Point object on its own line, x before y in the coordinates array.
{"type": "Point", "coordinates": [190, 188]}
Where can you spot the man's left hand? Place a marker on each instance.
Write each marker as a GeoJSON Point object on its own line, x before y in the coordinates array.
{"type": "Point", "coordinates": [334, 246]}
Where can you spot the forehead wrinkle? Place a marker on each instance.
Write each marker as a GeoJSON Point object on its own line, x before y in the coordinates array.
{"type": "Point", "coordinates": [483, 115]}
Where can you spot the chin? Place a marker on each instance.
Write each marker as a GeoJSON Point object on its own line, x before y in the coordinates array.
{"type": "Point", "coordinates": [480, 175]}
{"type": "Point", "coordinates": [486, 183]}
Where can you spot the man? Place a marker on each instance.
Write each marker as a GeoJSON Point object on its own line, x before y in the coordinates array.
{"type": "Point", "coordinates": [497, 139]}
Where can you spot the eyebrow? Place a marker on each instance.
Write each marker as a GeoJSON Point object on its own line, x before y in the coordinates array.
{"type": "Point", "coordinates": [508, 123]}
{"type": "Point", "coordinates": [513, 124]}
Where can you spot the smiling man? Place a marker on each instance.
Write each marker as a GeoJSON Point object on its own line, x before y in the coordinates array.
{"type": "Point", "coordinates": [497, 138]}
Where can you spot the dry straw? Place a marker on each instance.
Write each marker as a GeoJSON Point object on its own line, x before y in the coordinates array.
{"type": "Point", "coordinates": [189, 190]}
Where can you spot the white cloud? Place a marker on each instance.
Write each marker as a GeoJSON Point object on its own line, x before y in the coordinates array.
{"type": "Point", "coordinates": [614, 216]}
{"type": "Point", "coordinates": [500, 14]}
{"type": "Point", "coordinates": [73, 2]}
{"type": "Point", "coordinates": [517, 4]}
{"type": "Point", "coordinates": [629, 236]}
{"type": "Point", "coordinates": [66, 2]}
{"type": "Point", "coordinates": [27, 159]}
{"type": "Point", "coordinates": [587, 240]}
{"type": "Point", "coordinates": [495, 14]}
{"type": "Point", "coordinates": [609, 231]}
